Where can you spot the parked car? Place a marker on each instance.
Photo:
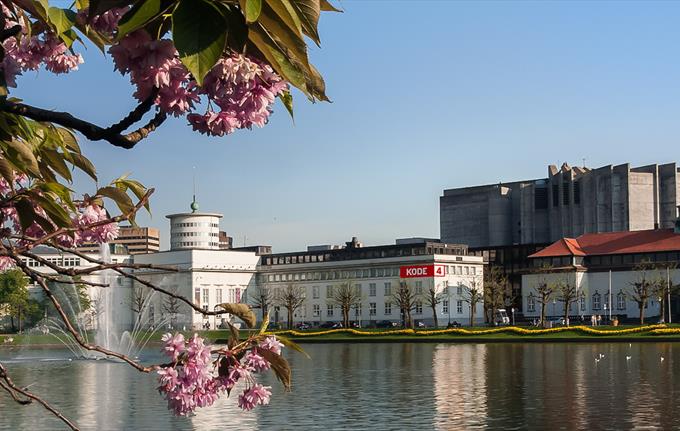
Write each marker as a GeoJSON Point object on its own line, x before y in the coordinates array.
{"type": "Point", "coordinates": [330, 325]}
{"type": "Point", "coordinates": [385, 324]}
{"type": "Point", "coordinates": [303, 326]}
{"type": "Point", "coordinates": [453, 324]}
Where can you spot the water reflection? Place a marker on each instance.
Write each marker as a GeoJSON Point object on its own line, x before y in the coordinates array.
{"type": "Point", "coordinates": [384, 386]}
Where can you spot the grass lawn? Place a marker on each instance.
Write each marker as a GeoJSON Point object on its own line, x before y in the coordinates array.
{"type": "Point", "coordinates": [476, 334]}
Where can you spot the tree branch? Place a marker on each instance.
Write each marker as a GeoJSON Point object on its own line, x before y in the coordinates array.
{"type": "Point", "coordinates": [89, 130]}
{"type": "Point", "coordinates": [8, 385]}
{"type": "Point", "coordinates": [136, 114]}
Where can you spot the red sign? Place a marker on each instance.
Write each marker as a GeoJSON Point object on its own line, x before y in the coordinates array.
{"type": "Point", "coordinates": [414, 271]}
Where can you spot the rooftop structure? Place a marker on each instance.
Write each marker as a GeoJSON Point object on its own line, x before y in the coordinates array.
{"type": "Point", "coordinates": [195, 230]}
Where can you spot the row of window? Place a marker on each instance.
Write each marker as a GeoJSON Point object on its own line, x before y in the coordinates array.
{"type": "Point", "coordinates": [196, 224]}
{"type": "Point", "coordinates": [387, 310]}
{"type": "Point", "coordinates": [202, 296]}
{"type": "Point", "coordinates": [185, 234]}
{"type": "Point", "coordinates": [369, 253]}
{"type": "Point", "coordinates": [360, 273]}
{"type": "Point", "coordinates": [596, 302]}
{"type": "Point", "coordinates": [195, 244]}
{"type": "Point", "coordinates": [61, 261]}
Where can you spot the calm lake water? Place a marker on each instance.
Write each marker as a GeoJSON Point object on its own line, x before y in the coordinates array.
{"type": "Point", "coordinates": [382, 386]}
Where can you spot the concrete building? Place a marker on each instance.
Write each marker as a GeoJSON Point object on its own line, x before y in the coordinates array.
{"type": "Point", "coordinates": [604, 267]}
{"type": "Point", "coordinates": [136, 240]}
{"type": "Point", "coordinates": [567, 203]}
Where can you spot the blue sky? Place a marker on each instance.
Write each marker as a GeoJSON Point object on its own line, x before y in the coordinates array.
{"type": "Point", "coordinates": [426, 95]}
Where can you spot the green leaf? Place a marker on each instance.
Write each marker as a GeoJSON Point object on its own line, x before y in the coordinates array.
{"type": "Point", "coordinates": [326, 6]}
{"type": "Point", "coordinates": [200, 34]}
{"type": "Point", "coordinates": [84, 165]}
{"type": "Point", "coordinates": [117, 195]}
{"type": "Point", "coordinates": [242, 311]}
{"type": "Point", "coordinates": [61, 19]}
{"type": "Point", "coordinates": [252, 9]}
{"type": "Point", "coordinates": [284, 35]}
{"type": "Point", "coordinates": [308, 11]}
{"type": "Point", "coordinates": [277, 59]}
{"type": "Point", "coordinates": [140, 14]}
{"type": "Point", "coordinates": [279, 366]}
{"type": "Point", "coordinates": [56, 162]}
{"type": "Point", "coordinates": [287, 100]}
{"type": "Point", "coordinates": [7, 171]}
{"type": "Point", "coordinates": [137, 189]}
{"type": "Point", "coordinates": [293, 345]}
{"type": "Point", "coordinates": [25, 212]}
{"type": "Point", "coordinates": [22, 156]}
{"type": "Point", "coordinates": [284, 9]}
{"type": "Point", "coordinates": [54, 211]}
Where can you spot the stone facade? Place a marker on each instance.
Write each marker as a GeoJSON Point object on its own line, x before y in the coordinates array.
{"type": "Point", "coordinates": [568, 203]}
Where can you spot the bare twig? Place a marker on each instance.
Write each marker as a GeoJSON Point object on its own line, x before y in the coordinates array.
{"type": "Point", "coordinates": [8, 385]}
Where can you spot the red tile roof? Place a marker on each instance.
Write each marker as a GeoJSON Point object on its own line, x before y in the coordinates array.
{"type": "Point", "coordinates": [641, 241]}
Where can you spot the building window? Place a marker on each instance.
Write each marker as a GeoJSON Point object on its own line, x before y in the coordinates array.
{"type": "Point", "coordinates": [459, 307]}
{"type": "Point", "coordinates": [329, 291]}
{"type": "Point", "coordinates": [197, 296]}
{"type": "Point", "coordinates": [459, 290]}
{"type": "Point", "coordinates": [388, 308]}
{"type": "Point", "coordinates": [540, 198]}
{"type": "Point", "coordinates": [531, 303]}
{"type": "Point", "coordinates": [357, 288]}
{"type": "Point", "coordinates": [621, 301]}
{"type": "Point", "coordinates": [315, 292]}
{"type": "Point", "coordinates": [596, 301]}
{"type": "Point", "coordinates": [565, 193]}
{"type": "Point", "coordinates": [445, 306]}
{"type": "Point", "coordinates": [206, 296]}
{"type": "Point", "coordinates": [316, 310]}
{"type": "Point", "coordinates": [371, 289]}
{"type": "Point", "coordinates": [419, 288]}
{"type": "Point", "coordinates": [218, 296]}
{"type": "Point", "coordinates": [419, 307]}
{"type": "Point", "coordinates": [329, 310]}
{"type": "Point", "coordinates": [372, 309]}
{"type": "Point", "coordinates": [388, 288]}
{"type": "Point", "coordinates": [582, 301]}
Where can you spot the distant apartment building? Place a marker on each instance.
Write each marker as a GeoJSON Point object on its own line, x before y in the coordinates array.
{"type": "Point", "coordinates": [568, 203]}
{"type": "Point", "coordinates": [137, 240]}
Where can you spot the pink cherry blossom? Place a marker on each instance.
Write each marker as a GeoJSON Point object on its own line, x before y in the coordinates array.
{"type": "Point", "coordinates": [272, 344]}
{"type": "Point", "coordinates": [174, 345]}
{"type": "Point", "coordinates": [256, 361]}
{"type": "Point", "coordinates": [253, 396]}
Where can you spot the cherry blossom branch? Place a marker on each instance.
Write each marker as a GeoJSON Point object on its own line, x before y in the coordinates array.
{"type": "Point", "coordinates": [9, 386]}
{"type": "Point", "coordinates": [39, 279]}
{"type": "Point", "coordinates": [65, 231]}
{"type": "Point", "coordinates": [72, 272]}
{"type": "Point", "coordinates": [89, 130]}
